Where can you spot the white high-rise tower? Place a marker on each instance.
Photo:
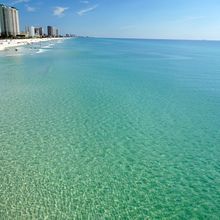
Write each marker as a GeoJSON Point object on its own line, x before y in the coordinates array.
{"type": "Point", "coordinates": [9, 21]}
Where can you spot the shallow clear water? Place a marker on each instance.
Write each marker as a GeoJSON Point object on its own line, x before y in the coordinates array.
{"type": "Point", "coordinates": [111, 129]}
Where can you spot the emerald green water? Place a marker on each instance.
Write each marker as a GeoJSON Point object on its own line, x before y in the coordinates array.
{"type": "Point", "coordinates": [111, 129]}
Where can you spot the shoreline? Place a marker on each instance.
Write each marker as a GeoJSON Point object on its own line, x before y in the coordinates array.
{"type": "Point", "coordinates": [8, 43]}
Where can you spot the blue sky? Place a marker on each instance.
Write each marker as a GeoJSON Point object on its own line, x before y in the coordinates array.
{"type": "Point", "coordinates": [173, 19]}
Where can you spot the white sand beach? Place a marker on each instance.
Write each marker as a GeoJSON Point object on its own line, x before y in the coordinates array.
{"type": "Point", "coordinates": [8, 43]}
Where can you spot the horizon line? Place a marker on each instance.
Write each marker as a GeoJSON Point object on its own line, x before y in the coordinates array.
{"type": "Point", "coordinates": [139, 38]}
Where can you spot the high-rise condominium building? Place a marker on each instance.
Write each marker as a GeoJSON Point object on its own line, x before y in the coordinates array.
{"type": "Point", "coordinates": [52, 31]}
{"type": "Point", "coordinates": [57, 32]}
{"type": "Point", "coordinates": [9, 21]}
{"type": "Point", "coordinates": [31, 31]}
{"type": "Point", "coordinates": [39, 31]}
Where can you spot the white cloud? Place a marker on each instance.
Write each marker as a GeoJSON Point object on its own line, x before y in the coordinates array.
{"type": "Point", "coordinates": [59, 11]}
{"type": "Point", "coordinates": [30, 9]}
{"type": "Point", "coordinates": [86, 10]}
{"type": "Point", "coordinates": [19, 1]}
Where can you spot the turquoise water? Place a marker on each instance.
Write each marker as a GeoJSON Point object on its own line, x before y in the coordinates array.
{"type": "Point", "coordinates": [111, 129]}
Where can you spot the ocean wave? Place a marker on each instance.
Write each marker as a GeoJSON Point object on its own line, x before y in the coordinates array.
{"type": "Point", "coordinates": [41, 51]}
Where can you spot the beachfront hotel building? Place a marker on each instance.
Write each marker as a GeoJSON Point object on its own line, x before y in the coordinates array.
{"type": "Point", "coordinates": [39, 31]}
{"type": "Point", "coordinates": [9, 21]}
{"type": "Point", "coordinates": [34, 31]}
{"type": "Point", "coordinates": [52, 31]}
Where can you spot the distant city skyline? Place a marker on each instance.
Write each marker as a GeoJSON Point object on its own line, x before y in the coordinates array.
{"type": "Point", "coordinates": [160, 19]}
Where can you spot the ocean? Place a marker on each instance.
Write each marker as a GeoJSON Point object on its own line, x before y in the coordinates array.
{"type": "Point", "coordinates": [110, 129]}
